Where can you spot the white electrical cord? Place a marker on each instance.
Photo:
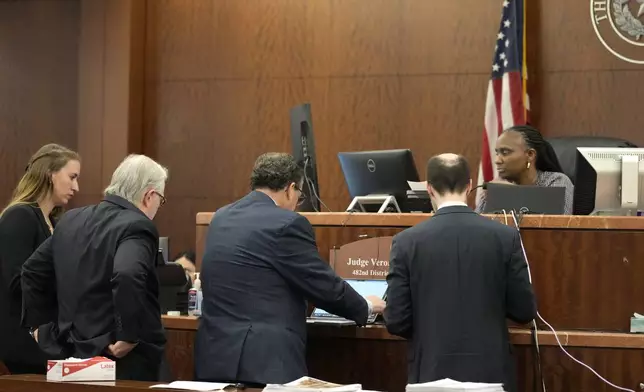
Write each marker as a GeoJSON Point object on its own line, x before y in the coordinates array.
{"type": "Point", "coordinates": [525, 256]}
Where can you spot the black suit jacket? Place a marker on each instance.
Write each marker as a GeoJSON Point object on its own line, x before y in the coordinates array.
{"type": "Point", "coordinates": [260, 265]}
{"type": "Point", "coordinates": [453, 280]}
{"type": "Point", "coordinates": [100, 263]}
{"type": "Point", "coordinates": [22, 230]}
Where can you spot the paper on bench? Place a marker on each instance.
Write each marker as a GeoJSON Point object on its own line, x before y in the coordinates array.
{"type": "Point", "coordinates": [311, 384]}
{"type": "Point", "coordinates": [449, 385]}
{"type": "Point", "coordinates": [417, 185]}
{"type": "Point", "coordinates": [194, 386]}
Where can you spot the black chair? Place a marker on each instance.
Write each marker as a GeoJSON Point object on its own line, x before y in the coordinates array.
{"type": "Point", "coordinates": [566, 149]}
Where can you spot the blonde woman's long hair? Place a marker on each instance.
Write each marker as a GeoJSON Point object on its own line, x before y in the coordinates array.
{"type": "Point", "coordinates": [36, 183]}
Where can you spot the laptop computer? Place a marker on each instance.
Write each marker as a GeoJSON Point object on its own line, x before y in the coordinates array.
{"type": "Point", "coordinates": [529, 199]}
{"type": "Point", "coordinates": [364, 288]}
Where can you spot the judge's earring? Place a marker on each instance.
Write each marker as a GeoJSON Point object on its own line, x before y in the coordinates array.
{"type": "Point", "coordinates": [528, 165]}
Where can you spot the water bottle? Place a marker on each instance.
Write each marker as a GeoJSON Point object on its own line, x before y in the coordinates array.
{"type": "Point", "coordinates": [192, 301]}
{"type": "Point", "coordinates": [198, 295]}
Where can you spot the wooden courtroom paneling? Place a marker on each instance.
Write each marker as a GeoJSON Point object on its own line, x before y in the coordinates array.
{"type": "Point", "coordinates": [222, 76]}
{"type": "Point", "coordinates": [111, 75]}
{"type": "Point", "coordinates": [586, 270]}
{"type": "Point", "coordinates": [576, 86]}
{"type": "Point", "coordinates": [38, 68]}
{"type": "Point", "coordinates": [378, 360]}
{"type": "Point", "coordinates": [354, 360]}
{"type": "Point", "coordinates": [587, 279]}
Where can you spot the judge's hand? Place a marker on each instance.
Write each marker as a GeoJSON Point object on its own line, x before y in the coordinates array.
{"type": "Point", "coordinates": [120, 348]}
{"type": "Point", "coordinates": [377, 304]}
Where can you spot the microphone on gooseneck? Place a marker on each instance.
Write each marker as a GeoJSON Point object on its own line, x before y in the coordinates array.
{"type": "Point", "coordinates": [483, 186]}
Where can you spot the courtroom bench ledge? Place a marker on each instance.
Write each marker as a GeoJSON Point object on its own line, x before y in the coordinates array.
{"type": "Point", "coordinates": [518, 336]}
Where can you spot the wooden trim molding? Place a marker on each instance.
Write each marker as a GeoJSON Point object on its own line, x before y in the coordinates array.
{"type": "Point", "coordinates": [572, 222]}
{"type": "Point", "coordinates": [518, 336]}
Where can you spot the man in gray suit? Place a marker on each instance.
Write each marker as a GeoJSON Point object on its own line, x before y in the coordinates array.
{"type": "Point", "coordinates": [453, 280]}
{"type": "Point", "coordinates": [261, 264]}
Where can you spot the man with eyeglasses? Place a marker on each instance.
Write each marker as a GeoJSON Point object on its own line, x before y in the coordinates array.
{"type": "Point", "coordinates": [91, 288]}
{"type": "Point", "coordinates": [261, 265]}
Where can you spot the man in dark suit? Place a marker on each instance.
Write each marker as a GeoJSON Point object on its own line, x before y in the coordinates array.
{"type": "Point", "coordinates": [453, 280]}
{"type": "Point", "coordinates": [98, 270]}
{"type": "Point", "coordinates": [261, 264]}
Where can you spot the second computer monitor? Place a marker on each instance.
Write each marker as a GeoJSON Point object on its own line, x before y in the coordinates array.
{"type": "Point", "coordinates": [382, 172]}
{"type": "Point", "coordinates": [609, 181]}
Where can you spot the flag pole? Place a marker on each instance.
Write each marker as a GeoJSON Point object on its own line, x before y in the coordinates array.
{"type": "Point", "coordinates": [524, 65]}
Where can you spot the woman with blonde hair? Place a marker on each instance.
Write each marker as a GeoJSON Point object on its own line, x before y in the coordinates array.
{"type": "Point", "coordinates": [49, 182]}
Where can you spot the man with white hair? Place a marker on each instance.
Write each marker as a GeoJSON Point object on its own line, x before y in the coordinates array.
{"type": "Point", "coordinates": [91, 288]}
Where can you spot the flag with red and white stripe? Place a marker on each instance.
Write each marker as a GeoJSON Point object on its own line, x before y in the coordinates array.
{"type": "Point", "coordinates": [507, 99]}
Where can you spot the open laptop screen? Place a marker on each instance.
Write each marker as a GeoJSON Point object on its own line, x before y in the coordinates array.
{"type": "Point", "coordinates": [363, 287]}
{"type": "Point", "coordinates": [525, 198]}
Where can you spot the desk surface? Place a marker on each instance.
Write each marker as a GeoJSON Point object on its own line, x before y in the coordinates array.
{"type": "Point", "coordinates": [30, 383]}
{"type": "Point", "coordinates": [518, 336]}
{"type": "Point", "coordinates": [577, 222]}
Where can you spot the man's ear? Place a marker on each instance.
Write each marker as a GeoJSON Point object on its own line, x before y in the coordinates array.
{"type": "Point", "coordinates": [430, 190]}
{"type": "Point", "coordinates": [469, 187]}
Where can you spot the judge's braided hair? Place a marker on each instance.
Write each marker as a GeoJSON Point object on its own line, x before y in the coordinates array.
{"type": "Point", "coordinates": [546, 157]}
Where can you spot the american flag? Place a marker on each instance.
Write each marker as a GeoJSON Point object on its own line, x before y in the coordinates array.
{"type": "Point", "coordinates": [507, 99]}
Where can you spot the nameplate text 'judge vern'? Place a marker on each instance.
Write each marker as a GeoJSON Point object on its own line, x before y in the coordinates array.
{"type": "Point", "coordinates": [364, 259]}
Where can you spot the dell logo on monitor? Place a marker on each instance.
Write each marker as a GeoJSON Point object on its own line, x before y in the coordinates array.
{"type": "Point", "coordinates": [371, 165]}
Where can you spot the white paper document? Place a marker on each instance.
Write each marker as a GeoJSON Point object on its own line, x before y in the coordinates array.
{"type": "Point", "coordinates": [449, 385]}
{"type": "Point", "coordinates": [194, 386]}
{"type": "Point", "coordinates": [417, 185]}
{"type": "Point", "coordinates": [311, 384]}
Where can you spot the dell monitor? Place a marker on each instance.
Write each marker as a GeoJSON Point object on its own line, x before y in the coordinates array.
{"type": "Point", "coordinates": [304, 153]}
{"type": "Point", "coordinates": [378, 178]}
{"type": "Point", "coordinates": [609, 181]}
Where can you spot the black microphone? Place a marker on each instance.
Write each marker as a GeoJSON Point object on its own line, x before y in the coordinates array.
{"type": "Point", "coordinates": [483, 186]}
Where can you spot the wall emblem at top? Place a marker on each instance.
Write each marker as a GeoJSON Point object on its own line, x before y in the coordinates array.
{"type": "Point", "coordinates": [618, 25]}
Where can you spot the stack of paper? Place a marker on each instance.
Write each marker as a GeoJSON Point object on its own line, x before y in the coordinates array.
{"type": "Point", "coordinates": [449, 385]}
{"type": "Point", "coordinates": [310, 384]}
{"type": "Point", "coordinates": [194, 386]}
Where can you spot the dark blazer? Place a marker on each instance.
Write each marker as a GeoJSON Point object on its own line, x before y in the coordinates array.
{"type": "Point", "coordinates": [22, 230]}
{"type": "Point", "coordinates": [453, 280]}
{"type": "Point", "coordinates": [260, 265]}
{"type": "Point", "coordinates": [102, 260]}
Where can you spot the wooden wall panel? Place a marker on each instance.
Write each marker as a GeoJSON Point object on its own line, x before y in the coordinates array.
{"type": "Point", "coordinates": [38, 68]}
{"type": "Point", "coordinates": [291, 38]}
{"type": "Point", "coordinates": [560, 372]}
{"type": "Point", "coordinates": [110, 89]}
{"type": "Point", "coordinates": [222, 74]}
{"type": "Point", "coordinates": [594, 103]}
{"type": "Point", "coordinates": [576, 86]}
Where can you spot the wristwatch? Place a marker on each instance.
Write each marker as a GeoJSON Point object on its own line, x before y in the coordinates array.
{"type": "Point", "coordinates": [32, 331]}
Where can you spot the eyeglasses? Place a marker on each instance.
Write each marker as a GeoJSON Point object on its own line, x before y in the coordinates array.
{"type": "Point", "coordinates": [302, 196]}
{"type": "Point", "coordinates": [163, 199]}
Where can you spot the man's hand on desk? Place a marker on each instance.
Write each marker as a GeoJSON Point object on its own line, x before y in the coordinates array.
{"type": "Point", "coordinates": [378, 305]}
{"type": "Point", "coordinates": [120, 348]}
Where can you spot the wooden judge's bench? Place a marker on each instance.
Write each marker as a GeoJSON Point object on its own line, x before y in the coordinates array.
{"type": "Point", "coordinates": [588, 275]}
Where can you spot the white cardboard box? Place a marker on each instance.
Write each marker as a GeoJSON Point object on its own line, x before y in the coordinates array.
{"type": "Point", "coordinates": [73, 369]}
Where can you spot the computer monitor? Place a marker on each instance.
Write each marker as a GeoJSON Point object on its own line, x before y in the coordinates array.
{"type": "Point", "coordinates": [378, 177]}
{"type": "Point", "coordinates": [173, 287]}
{"type": "Point", "coordinates": [609, 181]}
{"type": "Point", "coordinates": [304, 152]}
